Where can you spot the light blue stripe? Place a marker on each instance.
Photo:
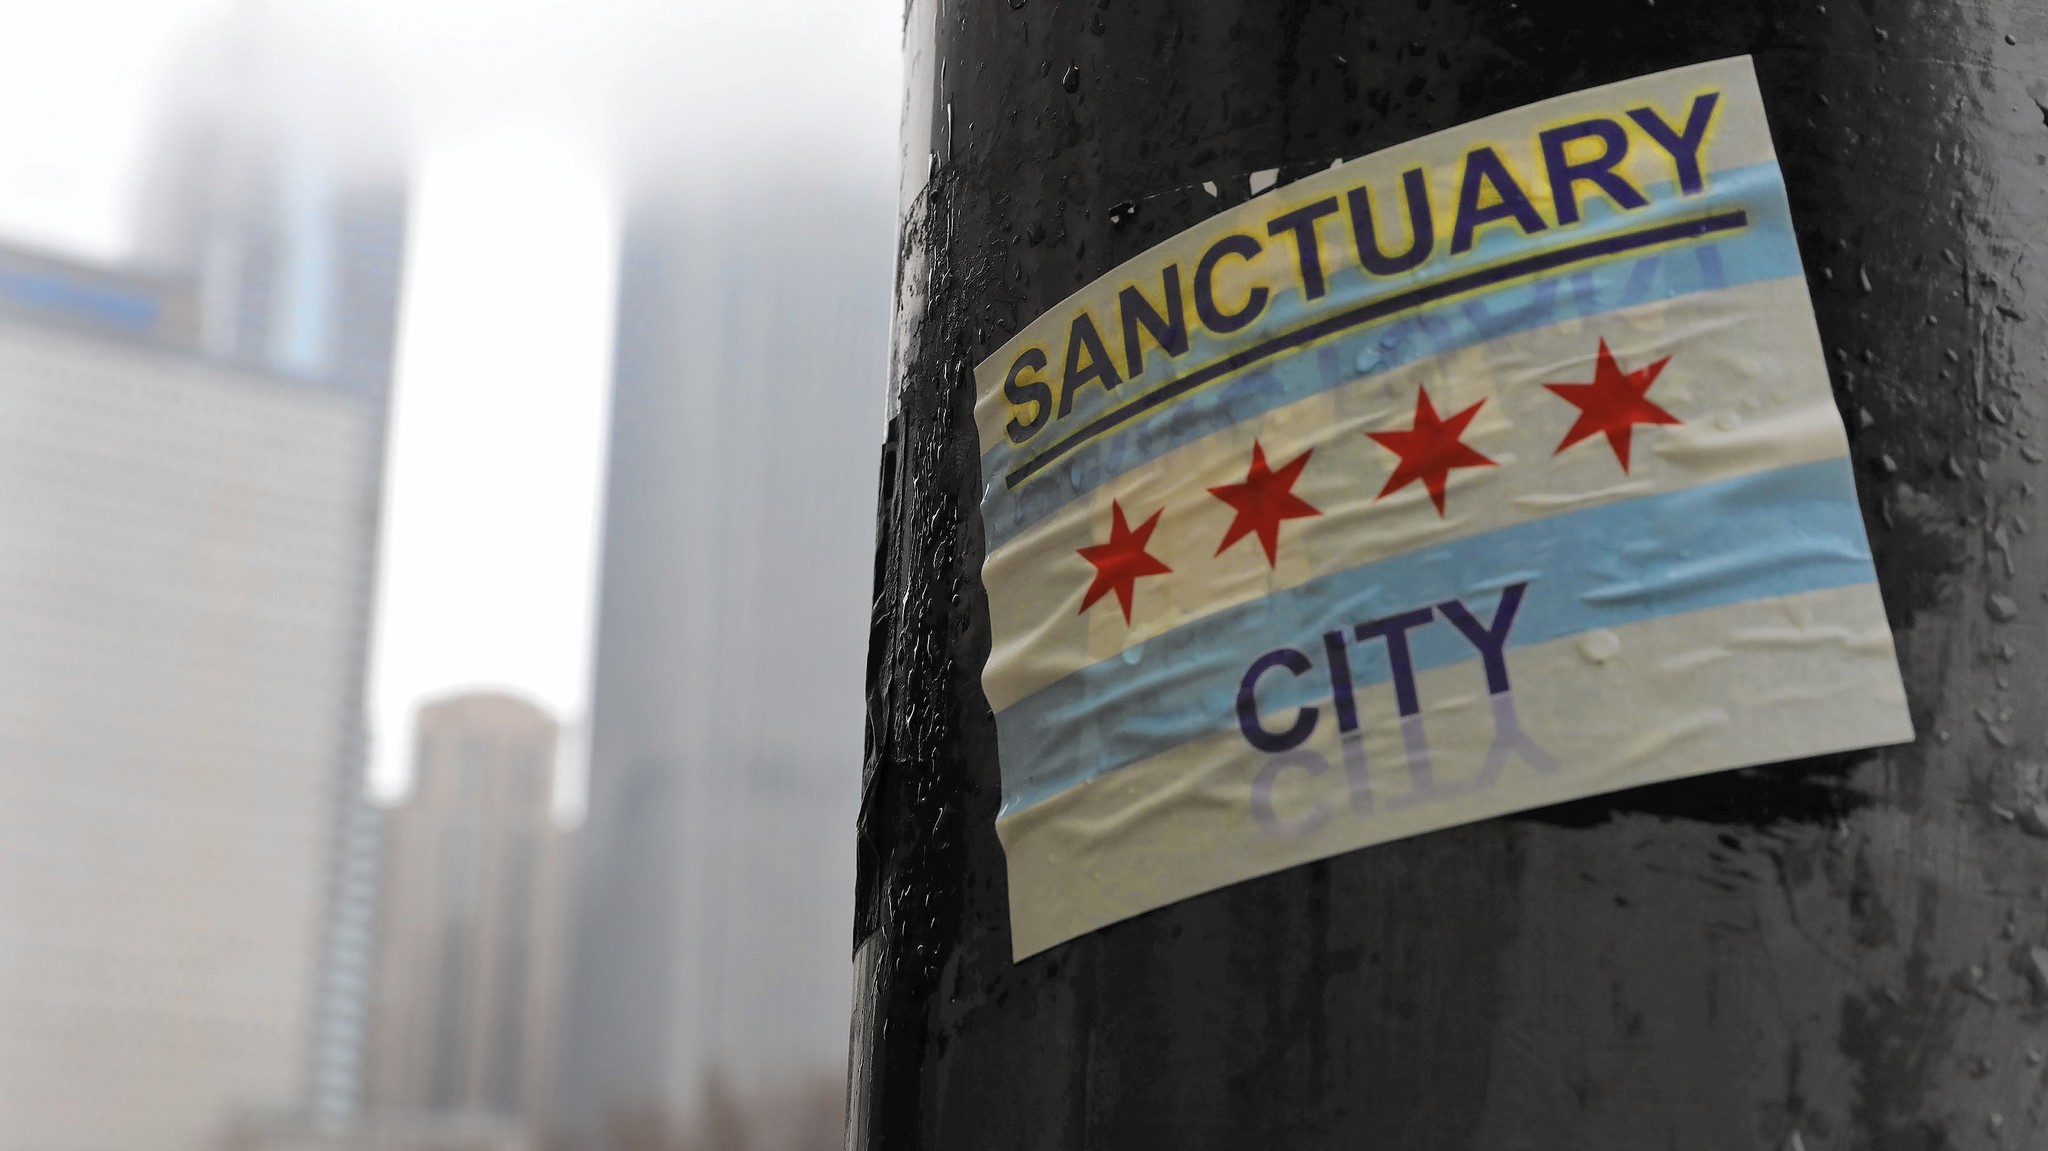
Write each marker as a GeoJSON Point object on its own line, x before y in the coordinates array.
{"type": "Point", "coordinates": [1766, 250]}
{"type": "Point", "coordinates": [133, 310]}
{"type": "Point", "coordinates": [1753, 537]}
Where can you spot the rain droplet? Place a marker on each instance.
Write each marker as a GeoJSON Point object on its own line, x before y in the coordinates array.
{"type": "Point", "coordinates": [1600, 645]}
{"type": "Point", "coordinates": [2002, 608]}
{"type": "Point", "coordinates": [1071, 80]}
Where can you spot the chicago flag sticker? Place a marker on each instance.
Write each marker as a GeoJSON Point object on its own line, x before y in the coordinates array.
{"type": "Point", "coordinates": [1496, 469]}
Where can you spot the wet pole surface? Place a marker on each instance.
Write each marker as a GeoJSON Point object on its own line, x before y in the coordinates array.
{"type": "Point", "coordinates": [1837, 952]}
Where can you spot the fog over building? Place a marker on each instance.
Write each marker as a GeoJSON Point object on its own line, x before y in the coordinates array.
{"type": "Point", "coordinates": [190, 468]}
{"type": "Point", "coordinates": [275, 191]}
{"type": "Point", "coordinates": [179, 605]}
{"type": "Point", "coordinates": [277, 183]}
{"type": "Point", "coordinates": [715, 900]}
{"type": "Point", "coordinates": [470, 946]}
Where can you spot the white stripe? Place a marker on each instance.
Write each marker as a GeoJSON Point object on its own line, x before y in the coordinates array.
{"type": "Point", "coordinates": [1768, 680]}
{"type": "Point", "coordinates": [1746, 376]}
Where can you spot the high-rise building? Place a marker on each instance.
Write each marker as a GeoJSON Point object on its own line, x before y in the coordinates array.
{"type": "Point", "coordinates": [288, 218]}
{"type": "Point", "coordinates": [296, 253]}
{"type": "Point", "coordinates": [469, 955]}
{"type": "Point", "coordinates": [715, 898]}
{"type": "Point", "coordinates": [277, 183]}
{"type": "Point", "coordinates": [180, 607]}
{"type": "Point", "coordinates": [189, 496]}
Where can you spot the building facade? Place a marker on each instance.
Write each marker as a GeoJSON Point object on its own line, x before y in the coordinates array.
{"type": "Point", "coordinates": [470, 948]}
{"type": "Point", "coordinates": [715, 898]}
{"type": "Point", "coordinates": [191, 455]}
{"type": "Point", "coordinates": [180, 608]}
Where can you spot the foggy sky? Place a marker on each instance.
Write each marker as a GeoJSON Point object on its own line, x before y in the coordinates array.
{"type": "Point", "coordinates": [544, 112]}
{"type": "Point", "coordinates": [83, 83]}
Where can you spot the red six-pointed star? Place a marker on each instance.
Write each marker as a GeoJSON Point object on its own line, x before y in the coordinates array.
{"type": "Point", "coordinates": [1613, 404]}
{"type": "Point", "coordinates": [1430, 449]}
{"type": "Point", "coordinates": [1121, 562]}
{"type": "Point", "coordinates": [1263, 500]}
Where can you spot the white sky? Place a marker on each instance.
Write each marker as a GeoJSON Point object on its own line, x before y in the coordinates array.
{"type": "Point", "coordinates": [495, 478]}
{"type": "Point", "coordinates": [517, 114]}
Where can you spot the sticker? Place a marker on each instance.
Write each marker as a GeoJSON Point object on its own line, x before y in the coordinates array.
{"type": "Point", "coordinates": [1496, 469]}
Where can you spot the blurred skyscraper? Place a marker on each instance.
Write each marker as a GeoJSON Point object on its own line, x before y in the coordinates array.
{"type": "Point", "coordinates": [715, 901]}
{"type": "Point", "coordinates": [190, 469]}
{"type": "Point", "coordinates": [179, 607]}
{"type": "Point", "coordinates": [469, 956]}
{"type": "Point", "coordinates": [297, 264]}
{"type": "Point", "coordinates": [275, 184]}
{"type": "Point", "coordinates": [276, 191]}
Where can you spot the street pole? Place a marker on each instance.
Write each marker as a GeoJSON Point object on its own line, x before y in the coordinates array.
{"type": "Point", "coordinates": [1832, 953]}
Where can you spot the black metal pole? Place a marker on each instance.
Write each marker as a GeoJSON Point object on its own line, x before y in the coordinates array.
{"type": "Point", "coordinates": [1844, 953]}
